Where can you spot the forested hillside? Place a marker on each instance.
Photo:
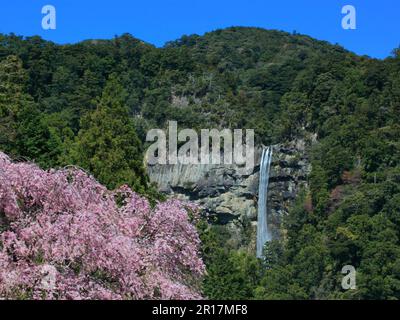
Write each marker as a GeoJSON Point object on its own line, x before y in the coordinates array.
{"type": "Point", "coordinates": [90, 105]}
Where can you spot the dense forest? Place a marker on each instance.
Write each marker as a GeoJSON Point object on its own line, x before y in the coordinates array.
{"type": "Point", "coordinates": [90, 105]}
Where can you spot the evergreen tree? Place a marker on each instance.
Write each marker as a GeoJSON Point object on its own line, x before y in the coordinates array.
{"type": "Point", "coordinates": [23, 131]}
{"type": "Point", "coordinates": [12, 99]}
{"type": "Point", "coordinates": [107, 144]}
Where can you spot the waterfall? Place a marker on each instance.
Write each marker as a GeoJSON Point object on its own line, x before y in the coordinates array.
{"type": "Point", "coordinates": [263, 234]}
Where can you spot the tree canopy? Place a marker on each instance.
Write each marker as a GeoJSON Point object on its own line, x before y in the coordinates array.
{"type": "Point", "coordinates": [90, 104]}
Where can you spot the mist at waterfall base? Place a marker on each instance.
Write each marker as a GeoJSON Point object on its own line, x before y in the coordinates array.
{"type": "Point", "coordinates": [263, 234]}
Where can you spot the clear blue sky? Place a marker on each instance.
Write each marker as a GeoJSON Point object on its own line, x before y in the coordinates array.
{"type": "Point", "coordinates": [158, 21]}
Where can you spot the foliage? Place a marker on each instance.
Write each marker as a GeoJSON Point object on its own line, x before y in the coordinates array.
{"type": "Point", "coordinates": [107, 144]}
{"type": "Point", "coordinates": [231, 274]}
{"type": "Point", "coordinates": [99, 244]}
{"type": "Point", "coordinates": [64, 104]}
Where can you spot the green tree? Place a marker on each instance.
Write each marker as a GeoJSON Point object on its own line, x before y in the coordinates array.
{"type": "Point", "coordinates": [107, 144]}
{"type": "Point", "coordinates": [23, 131]}
{"type": "Point", "coordinates": [12, 99]}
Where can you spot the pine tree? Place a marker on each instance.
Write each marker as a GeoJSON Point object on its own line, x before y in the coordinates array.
{"type": "Point", "coordinates": [23, 131]}
{"type": "Point", "coordinates": [12, 80]}
{"type": "Point", "coordinates": [107, 144]}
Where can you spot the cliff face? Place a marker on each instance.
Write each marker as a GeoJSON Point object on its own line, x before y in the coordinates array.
{"type": "Point", "coordinates": [229, 198]}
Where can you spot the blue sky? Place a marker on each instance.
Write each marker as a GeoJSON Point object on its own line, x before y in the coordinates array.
{"type": "Point", "coordinates": [158, 21]}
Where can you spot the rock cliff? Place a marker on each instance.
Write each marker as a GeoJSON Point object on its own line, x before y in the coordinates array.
{"type": "Point", "coordinates": [229, 198]}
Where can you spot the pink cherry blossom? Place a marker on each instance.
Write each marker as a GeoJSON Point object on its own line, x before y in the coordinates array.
{"type": "Point", "coordinates": [96, 243]}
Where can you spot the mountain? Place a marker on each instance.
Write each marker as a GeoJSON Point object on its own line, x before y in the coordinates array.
{"type": "Point", "coordinates": [342, 109]}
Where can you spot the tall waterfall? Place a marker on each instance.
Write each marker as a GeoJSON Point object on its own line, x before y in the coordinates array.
{"type": "Point", "coordinates": [263, 234]}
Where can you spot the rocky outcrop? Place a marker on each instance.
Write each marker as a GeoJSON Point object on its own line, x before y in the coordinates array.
{"type": "Point", "coordinates": [230, 198]}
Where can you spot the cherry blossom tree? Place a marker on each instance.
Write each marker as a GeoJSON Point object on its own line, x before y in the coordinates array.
{"type": "Point", "coordinates": [65, 236]}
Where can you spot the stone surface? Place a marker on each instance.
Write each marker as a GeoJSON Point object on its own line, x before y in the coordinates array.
{"type": "Point", "coordinates": [228, 197]}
